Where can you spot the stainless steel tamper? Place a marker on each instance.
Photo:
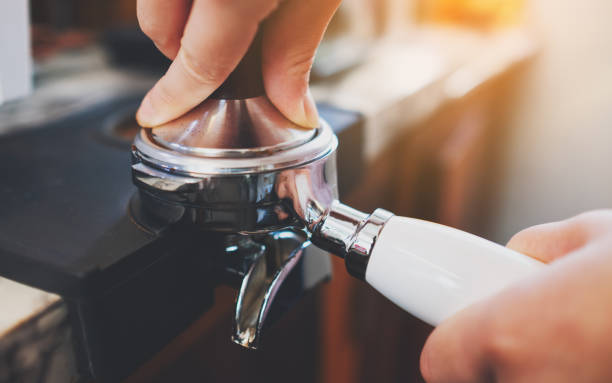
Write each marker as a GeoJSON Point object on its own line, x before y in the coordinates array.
{"type": "Point", "coordinates": [236, 164]}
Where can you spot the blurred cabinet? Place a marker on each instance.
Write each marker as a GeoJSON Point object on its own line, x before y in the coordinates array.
{"type": "Point", "coordinates": [444, 170]}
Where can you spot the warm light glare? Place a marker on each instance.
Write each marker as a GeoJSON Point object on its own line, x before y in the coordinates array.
{"type": "Point", "coordinates": [476, 13]}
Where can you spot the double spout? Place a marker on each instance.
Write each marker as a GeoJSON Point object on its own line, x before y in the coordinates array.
{"type": "Point", "coordinates": [273, 272]}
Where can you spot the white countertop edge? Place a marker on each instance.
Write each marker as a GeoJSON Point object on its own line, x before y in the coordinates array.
{"type": "Point", "coordinates": [19, 303]}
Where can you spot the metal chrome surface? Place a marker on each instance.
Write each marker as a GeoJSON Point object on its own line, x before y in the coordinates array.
{"type": "Point", "coordinates": [232, 162]}
{"type": "Point", "coordinates": [261, 284]}
{"type": "Point", "coordinates": [275, 270]}
{"type": "Point", "coordinates": [351, 234]}
{"type": "Point", "coordinates": [259, 202]}
{"type": "Point", "coordinates": [289, 187]}
{"type": "Point", "coordinates": [231, 128]}
{"type": "Point", "coordinates": [273, 179]}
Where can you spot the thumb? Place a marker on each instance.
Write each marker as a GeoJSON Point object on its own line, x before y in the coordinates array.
{"type": "Point", "coordinates": [291, 38]}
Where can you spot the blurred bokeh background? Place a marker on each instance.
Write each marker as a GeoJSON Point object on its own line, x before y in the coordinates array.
{"type": "Point", "coordinates": [487, 115]}
{"type": "Point", "coordinates": [558, 157]}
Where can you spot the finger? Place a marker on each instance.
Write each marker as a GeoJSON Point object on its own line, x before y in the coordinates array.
{"type": "Point", "coordinates": [291, 39]}
{"type": "Point", "coordinates": [454, 352]}
{"type": "Point", "coordinates": [515, 335]}
{"type": "Point", "coordinates": [551, 241]}
{"type": "Point", "coordinates": [479, 343]}
{"type": "Point", "coordinates": [217, 35]}
{"type": "Point", "coordinates": [164, 21]}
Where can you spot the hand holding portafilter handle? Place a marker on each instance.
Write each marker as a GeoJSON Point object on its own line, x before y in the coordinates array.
{"type": "Point", "coordinates": [432, 271]}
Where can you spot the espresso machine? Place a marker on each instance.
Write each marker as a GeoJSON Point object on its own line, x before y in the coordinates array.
{"type": "Point", "coordinates": [72, 223]}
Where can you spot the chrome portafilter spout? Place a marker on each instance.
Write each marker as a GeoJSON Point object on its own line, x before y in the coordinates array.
{"type": "Point", "coordinates": [235, 164]}
{"type": "Point", "coordinates": [273, 270]}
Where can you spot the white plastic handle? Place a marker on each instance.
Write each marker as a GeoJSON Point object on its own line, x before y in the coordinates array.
{"type": "Point", "coordinates": [432, 271]}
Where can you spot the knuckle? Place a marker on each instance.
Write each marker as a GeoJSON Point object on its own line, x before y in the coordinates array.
{"type": "Point", "coordinates": [595, 216]}
{"type": "Point", "coordinates": [299, 63]}
{"type": "Point", "coordinates": [592, 224]}
{"type": "Point", "coordinates": [158, 35]}
{"type": "Point", "coordinates": [164, 95]}
{"type": "Point", "coordinates": [150, 27]}
{"type": "Point", "coordinates": [202, 71]}
{"type": "Point", "coordinates": [501, 346]}
{"type": "Point", "coordinates": [425, 363]}
{"type": "Point", "coordinates": [585, 217]}
{"type": "Point", "coordinates": [165, 45]}
{"type": "Point", "coordinates": [264, 7]}
{"type": "Point", "coordinates": [585, 223]}
{"type": "Point", "coordinates": [522, 236]}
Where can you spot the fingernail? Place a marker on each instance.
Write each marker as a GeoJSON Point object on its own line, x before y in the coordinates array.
{"type": "Point", "coordinates": [145, 116]}
{"type": "Point", "coordinates": [311, 116]}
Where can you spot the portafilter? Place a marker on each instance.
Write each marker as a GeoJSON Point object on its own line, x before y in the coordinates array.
{"type": "Point", "coordinates": [236, 164]}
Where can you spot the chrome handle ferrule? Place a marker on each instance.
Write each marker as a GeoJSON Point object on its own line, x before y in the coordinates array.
{"type": "Point", "coordinates": [351, 234]}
